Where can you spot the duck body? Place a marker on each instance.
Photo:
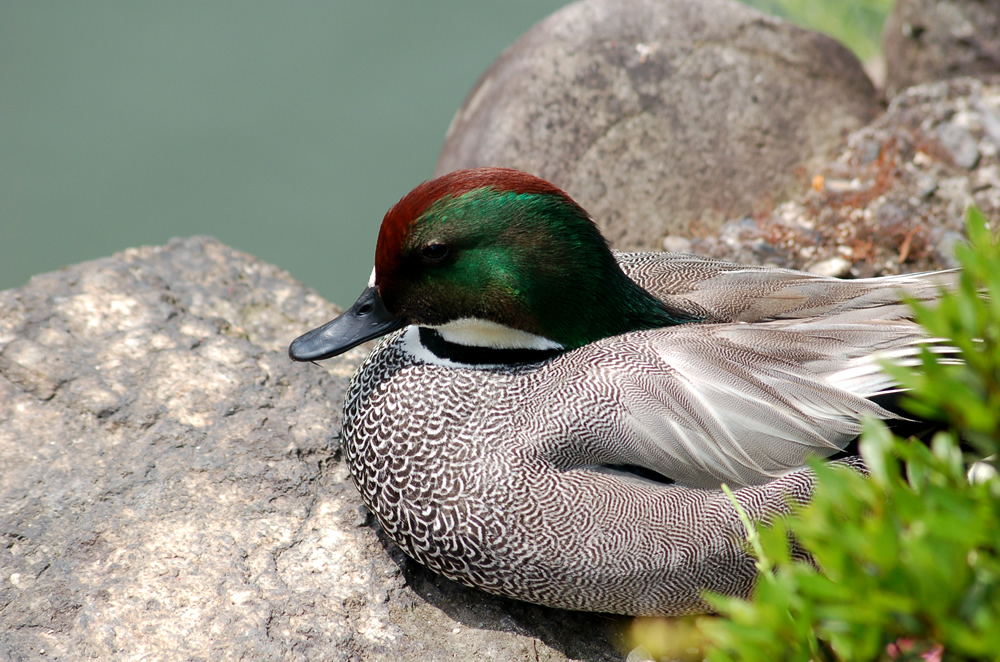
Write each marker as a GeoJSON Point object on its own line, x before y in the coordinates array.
{"type": "Point", "coordinates": [473, 477]}
{"type": "Point", "coordinates": [527, 459]}
{"type": "Point", "coordinates": [470, 481]}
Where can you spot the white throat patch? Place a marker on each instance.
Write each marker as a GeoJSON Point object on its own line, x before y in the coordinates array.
{"type": "Point", "coordinates": [474, 332]}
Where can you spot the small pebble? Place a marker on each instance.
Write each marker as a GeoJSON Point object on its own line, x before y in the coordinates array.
{"type": "Point", "coordinates": [639, 654]}
{"type": "Point", "coordinates": [842, 185]}
{"type": "Point", "coordinates": [362, 516]}
{"type": "Point", "coordinates": [869, 150]}
{"type": "Point", "coordinates": [675, 244]}
{"type": "Point", "coordinates": [836, 267]}
{"type": "Point", "coordinates": [990, 120]}
{"type": "Point", "coordinates": [960, 144]}
{"type": "Point", "coordinates": [944, 248]}
{"type": "Point", "coordinates": [926, 185]}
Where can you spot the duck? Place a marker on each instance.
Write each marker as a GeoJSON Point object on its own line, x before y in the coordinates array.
{"type": "Point", "coordinates": [551, 420]}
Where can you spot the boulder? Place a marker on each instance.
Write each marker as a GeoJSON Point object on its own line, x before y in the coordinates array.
{"type": "Point", "coordinates": [930, 40]}
{"type": "Point", "coordinates": [663, 117]}
{"type": "Point", "coordinates": [172, 489]}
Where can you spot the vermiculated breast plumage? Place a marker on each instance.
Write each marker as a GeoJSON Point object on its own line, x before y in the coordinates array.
{"type": "Point", "coordinates": [473, 473]}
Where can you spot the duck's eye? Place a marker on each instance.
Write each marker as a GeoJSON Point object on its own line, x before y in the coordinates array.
{"type": "Point", "coordinates": [434, 252]}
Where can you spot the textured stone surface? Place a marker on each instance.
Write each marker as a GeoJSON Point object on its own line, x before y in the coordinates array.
{"type": "Point", "coordinates": [171, 485]}
{"type": "Point", "coordinates": [663, 116]}
{"type": "Point", "coordinates": [929, 40]}
{"type": "Point", "coordinates": [894, 200]}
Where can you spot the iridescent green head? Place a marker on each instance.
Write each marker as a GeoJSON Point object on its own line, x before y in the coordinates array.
{"type": "Point", "coordinates": [499, 258]}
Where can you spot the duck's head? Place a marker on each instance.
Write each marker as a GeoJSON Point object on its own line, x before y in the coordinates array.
{"type": "Point", "coordinates": [492, 258]}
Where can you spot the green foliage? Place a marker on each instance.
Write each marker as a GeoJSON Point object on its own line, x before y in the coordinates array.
{"type": "Point", "coordinates": [967, 396]}
{"type": "Point", "coordinates": [855, 23]}
{"type": "Point", "coordinates": [907, 560]}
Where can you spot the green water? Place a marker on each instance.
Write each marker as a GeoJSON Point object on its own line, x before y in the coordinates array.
{"type": "Point", "coordinates": [285, 129]}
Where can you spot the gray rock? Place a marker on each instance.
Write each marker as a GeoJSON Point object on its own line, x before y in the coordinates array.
{"type": "Point", "coordinates": [171, 484]}
{"type": "Point", "coordinates": [959, 143]}
{"type": "Point", "coordinates": [663, 116]}
{"type": "Point", "coordinates": [930, 40]}
{"type": "Point", "coordinates": [898, 212]}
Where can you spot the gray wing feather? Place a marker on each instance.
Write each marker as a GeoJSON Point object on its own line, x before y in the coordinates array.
{"type": "Point", "coordinates": [726, 292]}
{"type": "Point", "coordinates": [735, 403]}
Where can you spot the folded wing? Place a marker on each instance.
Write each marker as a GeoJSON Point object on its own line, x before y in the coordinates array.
{"type": "Point", "coordinates": [726, 403]}
{"type": "Point", "coordinates": [721, 291]}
